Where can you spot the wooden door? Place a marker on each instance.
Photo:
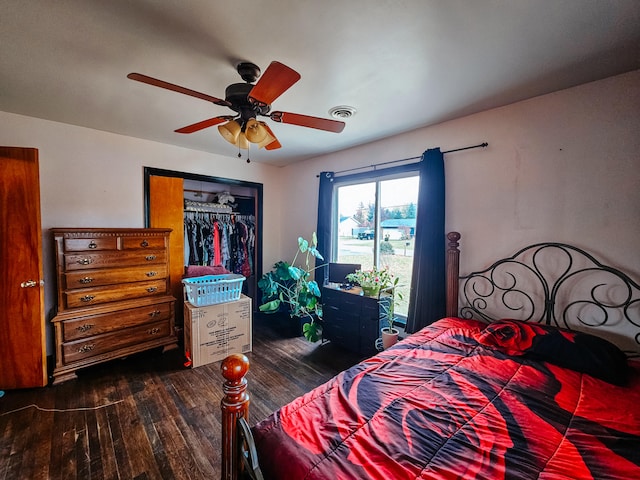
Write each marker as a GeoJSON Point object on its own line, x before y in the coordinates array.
{"type": "Point", "coordinates": [166, 200]}
{"type": "Point", "coordinates": [22, 328]}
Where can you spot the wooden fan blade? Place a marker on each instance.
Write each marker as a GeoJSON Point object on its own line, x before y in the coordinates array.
{"type": "Point", "coordinates": [334, 126]}
{"type": "Point", "coordinates": [176, 88]}
{"type": "Point", "coordinates": [276, 80]}
{"type": "Point", "coordinates": [275, 144]}
{"type": "Point", "coordinates": [204, 124]}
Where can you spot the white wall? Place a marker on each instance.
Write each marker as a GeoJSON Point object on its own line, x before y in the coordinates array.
{"type": "Point", "coordinates": [90, 178]}
{"type": "Point", "coordinates": [561, 167]}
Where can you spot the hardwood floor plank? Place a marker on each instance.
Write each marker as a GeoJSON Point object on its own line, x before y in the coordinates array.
{"type": "Point", "coordinates": [135, 440]}
{"type": "Point", "coordinates": [149, 410]}
{"type": "Point", "coordinates": [148, 417]}
{"type": "Point", "coordinates": [37, 461]}
{"type": "Point", "coordinates": [121, 454]}
{"type": "Point", "coordinates": [93, 445]}
{"type": "Point", "coordinates": [103, 458]}
{"type": "Point", "coordinates": [16, 446]}
{"type": "Point", "coordinates": [181, 461]}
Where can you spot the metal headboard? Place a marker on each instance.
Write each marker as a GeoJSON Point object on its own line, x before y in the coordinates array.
{"type": "Point", "coordinates": [557, 284]}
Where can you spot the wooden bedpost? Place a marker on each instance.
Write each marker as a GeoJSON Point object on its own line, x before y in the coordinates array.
{"type": "Point", "coordinates": [234, 405]}
{"type": "Point", "coordinates": [453, 274]}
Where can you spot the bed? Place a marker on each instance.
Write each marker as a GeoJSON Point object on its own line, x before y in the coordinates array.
{"type": "Point", "coordinates": [533, 374]}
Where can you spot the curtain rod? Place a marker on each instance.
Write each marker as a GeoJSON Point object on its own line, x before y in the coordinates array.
{"type": "Point", "coordinates": [480, 145]}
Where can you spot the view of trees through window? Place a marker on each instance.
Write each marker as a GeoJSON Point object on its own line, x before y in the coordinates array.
{"type": "Point", "coordinates": [376, 226]}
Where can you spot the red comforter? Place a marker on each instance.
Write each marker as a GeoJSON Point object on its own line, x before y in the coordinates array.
{"type": "Point", "coordinates": [439, 405]}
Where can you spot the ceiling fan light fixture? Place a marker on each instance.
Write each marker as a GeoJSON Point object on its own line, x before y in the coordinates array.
{"type": "Point", "coordinates": [267, 140]}
{"type": "Point", "coordinates": [242, 142]}
{"type": "Point", "coordinates": [255, 131]}
{"type": "Point", "coordinates": [230, 131]}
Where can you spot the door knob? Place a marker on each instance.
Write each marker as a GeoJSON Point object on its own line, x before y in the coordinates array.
{"type": "Point", "coordinates": [32, 283]}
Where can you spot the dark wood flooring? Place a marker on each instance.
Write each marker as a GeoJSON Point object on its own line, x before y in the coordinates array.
{"type": "Point", "coordinates": [147, 416]}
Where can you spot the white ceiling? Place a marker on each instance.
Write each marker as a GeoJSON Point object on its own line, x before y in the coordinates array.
{"type": "Point", "coordinates": [403, 64]}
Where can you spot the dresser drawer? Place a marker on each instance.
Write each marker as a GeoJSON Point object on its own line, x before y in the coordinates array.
{"type": "Point", "coordinates": [99, 344]}
{"type": "Point", "coordinates": [84, 244]}
{"type": "Point", "coordinates": [96, 278]}
{"type": "Point", "coordinates": [344, 327]}
{"type": "Point", "coordinates": [114, 259]}
{"type": "Point", "coordinates": [342, 299]}
{"type": "Point", "coordinates": [95, 296]}
{"type": "Point", "coordinates": [371, 310]}
{"type": "Point", "coordinates": [129, 243]}
{"type": "Point", "coordinates": [89, 326]}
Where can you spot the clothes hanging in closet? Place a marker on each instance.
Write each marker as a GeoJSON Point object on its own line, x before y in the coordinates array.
{"type": "Point", "coordinates": [220, 239]}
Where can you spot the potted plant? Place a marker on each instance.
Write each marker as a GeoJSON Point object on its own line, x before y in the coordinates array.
{"type": "Point", "coordinates": [289, 287]}
{"type": "Point", "coordinates": [389, 333]}
{"type": "Point", "coordinates": [373, 281]}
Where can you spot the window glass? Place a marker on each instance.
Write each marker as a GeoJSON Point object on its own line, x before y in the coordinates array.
{"type": "Point", "coordinates": [398, 207]}
{"type": "Point", "coordinates": [375, 225]}
{"type": "Point", "coordinates": [356, 224]}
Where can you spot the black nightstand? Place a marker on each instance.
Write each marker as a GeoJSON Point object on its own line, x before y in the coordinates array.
{"type": "Point", "coordinates": [352, 320]}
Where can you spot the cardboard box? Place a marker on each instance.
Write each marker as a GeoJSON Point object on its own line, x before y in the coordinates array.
{"type": "Point", "coordinates": [215, 331]}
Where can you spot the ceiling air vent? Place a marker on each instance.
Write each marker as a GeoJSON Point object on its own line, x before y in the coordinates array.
{"type": "Point", "coordinates": [342, 112]}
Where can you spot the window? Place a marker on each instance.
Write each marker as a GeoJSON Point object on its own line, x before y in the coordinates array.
{"type": "Point", "coordinates": [374, 224]}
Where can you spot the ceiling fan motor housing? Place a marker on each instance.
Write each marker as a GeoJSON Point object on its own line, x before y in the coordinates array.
{"type": "Point", "coordinates": [237, 94]}
{"type": "Point", "coordinates": [248, 71]}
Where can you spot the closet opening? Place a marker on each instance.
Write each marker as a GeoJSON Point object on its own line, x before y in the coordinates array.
{"type": "Point", "coordinates": [214, 221]}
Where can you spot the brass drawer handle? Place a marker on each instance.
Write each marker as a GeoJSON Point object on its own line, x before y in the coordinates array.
{"type": "Point", "coordinates": [86, 348]}
{"type": "Point", "coordinates": [153, 331]}
{"type": "Point", "coordinates": [152, 289]}
{"type": "Point", "coordinates": [84, 261]}
{"type": "Point", "coordinates": [93, 244]}
{"type": "Point", "coordinates": [87, 298]}
{"type": "Point", "coordinates": [144, 243]}
{"type": "Point", "coordinates": [155, 313]}
{"type": "Point", "coordinates": [150, 257]}
{"type": "Point", "coordinates": [85, 328]}
{"type": "Point", "coordinates": [151, 274]}
{"type": "Point", "coordinates": [85, 280]}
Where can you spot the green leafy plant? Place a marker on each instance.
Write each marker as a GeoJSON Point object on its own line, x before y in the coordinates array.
{"type": "Point", "coordinates": [289, 287]}
{"type": "Point", "coordinates": [388, 304]}
{"type": "Point", "coordinates": [373, 279]}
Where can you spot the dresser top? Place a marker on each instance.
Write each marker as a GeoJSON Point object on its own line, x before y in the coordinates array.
{"type": "Point", "coordinates": [108, 232]}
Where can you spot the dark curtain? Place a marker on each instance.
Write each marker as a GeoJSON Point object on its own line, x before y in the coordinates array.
{"type": "Point", "coordinates": [427, 301]}
{"type": "Point", "coordinates": [323, 230]}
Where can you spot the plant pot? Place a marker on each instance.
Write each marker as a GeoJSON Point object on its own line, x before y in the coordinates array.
{"type": "Point", "coordinates": [370, 291]}
{"type": "Point", "coordinates": [292, 326]}
{"type": "Point", "coordinates": [389, 337]}
{"type": "Point", "coordinates": [283, 324]}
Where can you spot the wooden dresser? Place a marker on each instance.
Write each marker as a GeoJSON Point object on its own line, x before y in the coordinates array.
{"type": "Point", "coordinates": [113, 295]}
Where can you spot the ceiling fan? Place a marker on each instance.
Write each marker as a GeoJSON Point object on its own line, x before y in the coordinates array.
{"type": "Point", "coordinates": [250, 100]}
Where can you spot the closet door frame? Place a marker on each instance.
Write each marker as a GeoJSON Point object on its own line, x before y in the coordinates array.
{"type": "Point", "coordinates": [258, 187]}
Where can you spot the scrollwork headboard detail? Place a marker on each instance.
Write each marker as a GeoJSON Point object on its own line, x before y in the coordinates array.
{"type": "Point", "coordinates": [557, 284]}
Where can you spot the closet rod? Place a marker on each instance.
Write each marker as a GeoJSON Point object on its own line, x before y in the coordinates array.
{"type": "Point", "coordinates": [480, 145]}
